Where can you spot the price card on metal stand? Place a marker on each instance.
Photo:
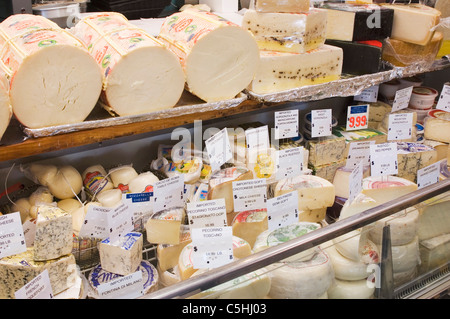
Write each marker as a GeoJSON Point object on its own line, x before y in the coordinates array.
{"type": "Point", "coordinates": [368, 95]}
{"type": "Point", "coordinates": [282, 210]}
{"type": "Point", "coordinates": [321, 122]}
{"type": "Point", "coordinates": [401, 99]}
{"type": "Point", "coordinates": [286, 124]}
{"type": "Point", "coordinates": [400, 126]}
{"type": "Point", "coordinates": [444, 99]}
{"type": "Point", "coordinates": [428, 175]}
{"type": "Point", "coordinates": [355, 181]}
{"type": "Point", "coordinates": [383, 159]}
{"type": "Point", "coordinates": [357, 117]}
{"type": "Point", "coordinates": [211, 246]}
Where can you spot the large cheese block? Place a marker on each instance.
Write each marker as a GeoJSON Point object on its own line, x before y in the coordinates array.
{"type": "Point", "coordinates": [403, 227]}
{"type": "Point", "coordinates": [326, 150]}
{"type": "Point", "coordinates": [249, 224]}
{"type": "Point", "coordinates": [123, 255]}
{"type": "Point", "coordinates": [271, 238]}
{"type": "Point", "coordinates": [221, 184]}
{"type": "Point", "coordinates": [53, 79]}
{"type": "Point", "coordinates": [167, 255]}
{"type": "Point", "coordinates": [434, 220]}
{"type": "Point", "coordinates": [164, 227]}
{"type": "Point", "coordinates": [413, 23]}
{"type": "Point", "coordinates": [437, 126]}
{"type": "Point", "coordinates": [386, 188]}
{"type": "Point", "coordinates": [95, 179]}
{"type": "Point", "coordinates": [352, 22]}
{"type": "Point", "coordinates": [53, 237]}
{"type": "Point", "coordinates": [377, 110]}
{"type": "Point", "coordinates": [327, 171]}
{"type": "Point", "coordinates": [413, 156]}
{"type": "Point", "coordinates": [219, 57]}
{"type": "Point", "coordinates": [281, 5]}
{"type": "Point", "coordinates": [18, 270]}
{"type": "Point", "coordinates": [351, 289]}
{"type": "Point", "coordinates": [287, 32]}
{"type": "Point", "coordinates": [279, 71]}
{"type": "Point", "coordinates": [434, 252]}
{"type": "Point", "coordinates": [140, 74]}
{"type": "Point", "coordinates": [401, 53]}
{"type": "Point", "coordinates": [346, 268]}
{"type": "Point", "coordinates": [313, 192]}
{"type": "Point", "coordinates": [5, 102]}
{"type": "Point", "coordinates": [301, 280]}
{"type": "Point", "coordinates": [441, 148]}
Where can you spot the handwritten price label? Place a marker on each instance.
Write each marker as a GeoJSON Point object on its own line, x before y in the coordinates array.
{"type": "Point", "coordinates": [357, 116]}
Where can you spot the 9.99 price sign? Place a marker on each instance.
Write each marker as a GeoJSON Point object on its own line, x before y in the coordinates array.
{"type": "Point", "coordinates": [357, 117]}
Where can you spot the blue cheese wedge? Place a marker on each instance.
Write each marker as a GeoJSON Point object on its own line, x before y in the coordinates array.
{"type": "Point", "coordinates": [122, 256]}
{"type": "Point", "coordinates": [20, 269]}
{"type": "Point", "coordinates": [54, 233]}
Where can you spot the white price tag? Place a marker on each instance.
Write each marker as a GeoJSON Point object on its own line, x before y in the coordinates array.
{"type": "Point", "coordinates": [289, 162]}
{"type": "Point", "coordinates": [122, 287]}
{"type": "Point", "coordinates": [12, 239]}
{"type": "Point", "coordinates": [29, 231]}
{"type": "Point", "coordinates": [368, 95]}
{"type": "Point", "coordinates": [357, 117]}
{"type": "Point", "coordinates": [282, 210]}
{"type": "Point", "coordinates": [428, 175]}
{"type": "Point", "coordinates": [140, 206]}
{"type": "Point", "coordinates": [257, 138]}
{"type": "Point", "coordinates": [321, 121]}
{"type": "Point", "coordinates": [358, 152]}
{"type": "Point", "coordinates": [120, 221]}
{"type": "Point", "coordinates": [286, 124]}
{"type": "Point", "coordinates": [212, 246]}
{"type": "Point", "coordinates": [401, 99]}
{"type": "Point", "coordinates": [383, 159]}
{"type": "Point", "coordinates": [218, 149]}
{"type": "Point", "coordinates": [207, 213]}
{"type": "Point", "coordinates": [38, 288]}
{"type": "Point", "coordinates": [400, 126]}
{"type": "Point", "coordinates": [168, 193]}
{"type": "Point", "coordinates": [444, 99]}
{"type": "Point", "coordinates": [249, 194]}
{"type": "Point", "coordinates": [95, 223]}
{"type": "Point", "coordinates": [355, 182]}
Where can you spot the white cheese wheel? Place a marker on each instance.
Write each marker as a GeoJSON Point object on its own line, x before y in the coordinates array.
{"type": "Point", "coordinates": [67, 182]}
{"type": "Point", "coordinates": [5, 103]}
{"type": "Point", "coordinates": [41, 195]}
{"type": "Point", "coordinates": [110, 197]}
{"type": "Point", "coordinates": [402, 277]}
{"type": "Point", "coordinates": [143, 182]}
{"type": "Point", "coordinates": [301, 280]}
{"type": "Point", "coordinates": [140, 74]}
{"type": "Point", "coordinates": [359, 204]}
{"type": "Point", "coordinates": [219, 57]}
{"type": "Point", "coordinates": [355, 246]}
{"type": "Point", "coordinates": [346, 268]}
{"type": "Point", "coordinates": [355, 289]}
{"type": "Point", "coordinates": [405, 257]}
{"type": "Point", "coordinates": [122, 175]}
{"type": "Point", "coordinates": [22, 205]}
{"type": "Point", "coordinates": [54, 80]}
{"type": "Point", "coordinates": [69, 204]}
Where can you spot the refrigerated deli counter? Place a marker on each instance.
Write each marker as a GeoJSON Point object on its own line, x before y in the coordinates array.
{"type": "Point", "coordinates": [390, 240]}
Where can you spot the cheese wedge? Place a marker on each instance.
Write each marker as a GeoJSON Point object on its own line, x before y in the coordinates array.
{"type": "Point", "coordinates": [140, 75]}
{"type": "Point", "coordinates": [249, 224]}
{"type": "Point", "coordinates": [414, 156]}
{"type": "Point", "coordinates": [164, 227]}
{"type": "Point", "coordinates": [437, 126]}
{"type": "Point", "coordinates": [219, 58]}
{"type": "Point", "coordinates": [53, 79]}
{"type": "Point", "coordinates": [167, 255]}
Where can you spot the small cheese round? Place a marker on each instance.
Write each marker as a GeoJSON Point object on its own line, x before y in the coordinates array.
{"type": "Point", "coordinates": [110, 197]}
{"type": "Point", "coordinates": [22, 205]}
{"type": "Point", "coordinates": [69, 204]}
{"type": "Point", "coordinates": [354, 289]}
{"type": "Point", "coordinates": [143, 183]}
{"type": "Point", "coordinates": [41, 195]}
{"type": "Point", "coordinates": [122, 175]}
{"type": "Point", "coordinates": [346, 268]}
{"type": "Point", "coordinates": [67, 182]}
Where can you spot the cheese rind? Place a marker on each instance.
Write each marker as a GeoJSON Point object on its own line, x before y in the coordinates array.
{"type": "Point", "coordinates": [280, 71]}
{"type": "Point", "coordinates": [437, 127]}
{"type": "Point", "coordinates": [67, 182]}
{"type": "Point", "coordinates": [287, 32]}
{"type": "Point", "coordinates": [346, 268]}
{"type": "Point", "coordinates": [167, 255]}
{"type": "Point", "coordinates": [249, 224]}
{"type": "Point", "coordinates": [164, 227]}
{"type": "Point", "coordinates": [405, 257]}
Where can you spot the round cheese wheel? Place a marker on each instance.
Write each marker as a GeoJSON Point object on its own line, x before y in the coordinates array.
{"type": "Point", "coordinates": [356, 247]}
{"type": "Point", "coordinates": [143, 183]}
{"type": "Point", "coordinates": [54, 81]}
{"type": "Point", "coordinates": [345, 268]}
{"type": "Point", "coordinates": [405, 257]}
{"type": "Point", "coordinates": [41, 195]}
{"type": "Point", "coordinates": [122, 175]}
{"type": "Point", "coordinates": [5, 103]}
{"type": "Point", "coordinates": [40, 173]}
{"type": "Point", "coordinates": [22, 205]}
{"type": "Point", "coordinates": [69, 204]}
{"type": "Point", "coordinates": [110, 197]}
{"type": "Point", "coordinates": [95, 179]}
{"type": "Point", "coordinates": [67, 182]}
{"type": "Point", "coordinates": [354, 289]}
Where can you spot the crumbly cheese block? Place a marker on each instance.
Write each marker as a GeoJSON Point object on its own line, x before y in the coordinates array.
{"type": "Point", "coordinates": [280, 71]}
{"type": "Point", "coordinates": [190, 168]}
{"type": "Point", "coordinates": [140, 74]}
{"type": "Point", "coordinates": [249, 224]}
{"type": "Point", "coordinates": [221, 184]}
{"type": "Point", "coordinates": [377, 110]}
{"type": "Point", "coordinates": [359, 204]}
{"type": "Point", "coordinates": [313, 192]}
{"type": "Point", "coordinates": [354, 289]}
{"type": "Point", "coordinates": [434, 252]}
{"type": "Point", "coordinates": [164, 227]}
{"type": "Point", "coordinates": [346, 268]}
{"type": "Point", "coordinates": [66, 183]}
{"type": "Point", "coordinates": [270, 238]}
{"type": "Point", "coordinates": [436, 127]}
{"type": "Point", "coordinates": [281, 5]}
{"type": "Point", "coordinates": [287, 32]}
{"type": "Point", "coordinates": [53, 237]}
{"type": "Point", "coordinates": [53, 79]}
{"type": "Point", "coordinates": [5, 102]}
{"type": "Point", "coordinates": [98, 276]}
{"type": "Point", "coordinates": [355, 246]}
{"type": "Point", "coordinates": [442, 149]}
{"type": "Point", "coordinates": [254, 285]}
{"type": "Point", "coordinates": [327, 171]}
{"type": "Point", "coordinates": [18, 270]}
{"type": "Point", "coordinates": [422, 16]}
{"type": "Point", "coordinates": [362, 135]}
{"type": "Point", "coordinates": [386, 188]}
{"type": "Point", "coordinates": [167, 255]}
{"type": "Point", "coordinates": [403, 227]}
{"type": "Point", "coordinates": [341, 180]}
{"type": "Point", "coordinates": [406, 257]}
{"type": "Point", "coordinates": [434, 220]}
{"type": "Point", "coordinates": [121, 176]}
{"type": "Point", "coordinates": [110, 197]}
{"type": "Point", "coordinates": [355, 22]}
{"type": "Point", "coordinates": [326, 150]}
{"type": "Point", "coordinates": [301, 280]}
{"type": "Point", "coordinates": [95, 179]}
{"type": "Point", "coordinates": [123, 255]}
{"type": "Point", "coordinates": [413, 156]}
{"type": "Point", "coordinates": [205, 44]}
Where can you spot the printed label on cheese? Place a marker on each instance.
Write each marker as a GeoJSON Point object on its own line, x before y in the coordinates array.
{"type": "Point", "coordinates": [428, 175]}
{"type": "Point", "coordinates": [383, 159]}
{"type": "Point", "coordinates": [444, 99]}
{"type": "Point", "coordinates": [286, 124]}
{"type": "Point", "coordinates": [12, 240]}
{"type": "Point", "coordinates": [282, 210]}
{"type": "Point", "coordinates": [321, 122]}
{"type": "Point", "coordinates": [168, 193]}
{"type": "Point", "coordinates": [207, 213]}
{"type": "Point", "coordinates": [38, 288]}
{"type": "Point", "coordinates": [400, 126]}
{"type": "Point", "coordinates": [212, 247]}
{"type": "Point", "coordinates": [127, 287]}
{"type": "Point", "coordinates": [249, 194]}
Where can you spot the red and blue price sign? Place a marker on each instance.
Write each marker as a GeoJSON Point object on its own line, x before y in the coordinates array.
{"type": "Point", "coordinates": [357, 117]}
